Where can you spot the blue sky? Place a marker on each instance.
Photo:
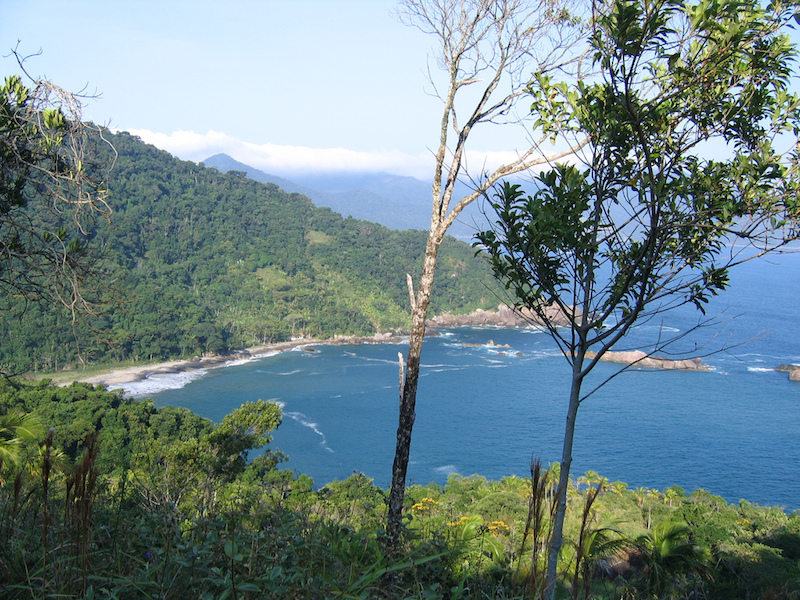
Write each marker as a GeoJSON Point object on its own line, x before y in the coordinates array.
{"type": "Point", "coordinates": [278, 84]}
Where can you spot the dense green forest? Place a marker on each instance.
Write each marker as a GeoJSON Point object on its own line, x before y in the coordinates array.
{"type": "Point", "coordinates": [126, 500]}
{"type": "Point", "coordinates": [202, 262]}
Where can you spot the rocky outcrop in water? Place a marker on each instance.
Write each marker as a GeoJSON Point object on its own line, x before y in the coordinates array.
{"type": "Point", "coordinates": [506, 316]}
{"type": "Point", "coordinates": [641, 359]}
{"type": "Point", "coordinates": [792, 370]}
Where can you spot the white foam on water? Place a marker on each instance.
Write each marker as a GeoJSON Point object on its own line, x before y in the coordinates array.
{"type": "Point", "coordinates": [266, 354]}
{"type": "Point", "coordinates": [233, 363]}
{"type": "Point", "coordinates": [301, 418]}
{"type": "Point", "coordinates": [443, 368]}
{"type": "Point", "coordinates": [382, 361]}
{"type": "Point", "coordinates": [159, 382]}
{"type": "Point", "coordinates": [446, 469]}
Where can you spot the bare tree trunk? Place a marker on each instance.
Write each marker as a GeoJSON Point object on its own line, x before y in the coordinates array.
{"type": "Point", "coordinates": [408, 391]}
{"type": "Point", "coordinates": [491, 47]}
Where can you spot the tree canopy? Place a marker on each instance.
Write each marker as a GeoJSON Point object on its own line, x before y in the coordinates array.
{"type": "Point", "coordinates": [691, 168]}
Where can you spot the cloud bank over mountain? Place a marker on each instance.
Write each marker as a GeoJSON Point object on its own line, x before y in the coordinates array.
{"type": "Point", "coordinates": [275, 158]}
{"type": "Point", "coordinates": [285, 160]}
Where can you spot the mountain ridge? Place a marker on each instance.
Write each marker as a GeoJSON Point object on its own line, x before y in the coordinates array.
{"type": "Point", "coordinates": [395, 201]}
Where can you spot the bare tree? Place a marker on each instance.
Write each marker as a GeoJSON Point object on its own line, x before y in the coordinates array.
{"type": "Point", "coordinates": [488, 50]}
{"type": "Point", "coordinates": [50, 192]}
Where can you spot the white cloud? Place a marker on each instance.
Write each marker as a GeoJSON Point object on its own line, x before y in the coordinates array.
{"type": "Point", "coordinates": [285, 160]}
{"type": "Point", "coordinates": [280, 160]}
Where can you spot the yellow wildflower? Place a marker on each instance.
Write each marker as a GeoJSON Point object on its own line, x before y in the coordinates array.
{"type": "Point", "coordinates": [459, 522]}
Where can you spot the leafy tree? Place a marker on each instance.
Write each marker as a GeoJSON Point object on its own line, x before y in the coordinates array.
{"type": "Point", "coordinates": [642, 223]}
{"type": "Point", "coordinates": [245, 429]}
{"type": "Point", "coordinates": [356, 495]}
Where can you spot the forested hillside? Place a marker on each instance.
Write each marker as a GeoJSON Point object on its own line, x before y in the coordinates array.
{"type": "Point", "coordinates": [201, 261]}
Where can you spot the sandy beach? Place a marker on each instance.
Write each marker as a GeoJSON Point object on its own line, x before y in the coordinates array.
{"type": "Point", "coordinates": [139, 372]}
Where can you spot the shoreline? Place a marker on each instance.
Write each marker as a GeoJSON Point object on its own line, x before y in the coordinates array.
{"type": "Point", "coordinates": [137, 373]}
{"type": "Point", "coordinates": [502, 318]}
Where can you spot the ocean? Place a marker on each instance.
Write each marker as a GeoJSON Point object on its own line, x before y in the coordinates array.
{"type": "Point", "coordinates": [491, 399]}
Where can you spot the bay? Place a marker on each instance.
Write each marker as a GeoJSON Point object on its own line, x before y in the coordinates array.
{"type": "Point", "coordinates": [487, 409]}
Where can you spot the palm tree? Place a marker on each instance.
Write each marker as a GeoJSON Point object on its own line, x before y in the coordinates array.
{"type": "Point", "coordinates": [667, 555]}
{"type": "Point", "coordinates": [592, 549]}
{"type": "Point", "coordinates": [673, 493]}
{"type": "Point", "coordinates": [618, 487]}
{"type": "Point", "coordinates": [16, 429]}
{"type": "Point", "coordinates": [590, 478]}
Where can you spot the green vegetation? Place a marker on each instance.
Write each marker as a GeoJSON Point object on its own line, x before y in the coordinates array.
{"type": "Point", "coordinates": [113, 498]}
{"type": "Point", "coordinates": [103, 496]}
{"type": "Point", "coordinates": [201, 262]}
{"type": "Point", "coordinates": [645, 223]}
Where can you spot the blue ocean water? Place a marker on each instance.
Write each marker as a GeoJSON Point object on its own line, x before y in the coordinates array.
{"type": "Point", "coordinates": [488, 409]}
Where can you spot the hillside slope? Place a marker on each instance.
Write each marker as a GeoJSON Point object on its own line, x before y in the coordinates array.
{"type": "Point", "coordinates": [204, 262]}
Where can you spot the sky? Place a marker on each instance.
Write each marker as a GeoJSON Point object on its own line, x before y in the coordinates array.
{"type": "Point", "coordinates": [281, 85]}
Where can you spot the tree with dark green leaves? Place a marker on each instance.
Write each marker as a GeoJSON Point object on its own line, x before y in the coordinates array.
{"type": "Point", "coordinates": [668, 554]}
{"type": "Point", "coordinates": [691, 169]}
